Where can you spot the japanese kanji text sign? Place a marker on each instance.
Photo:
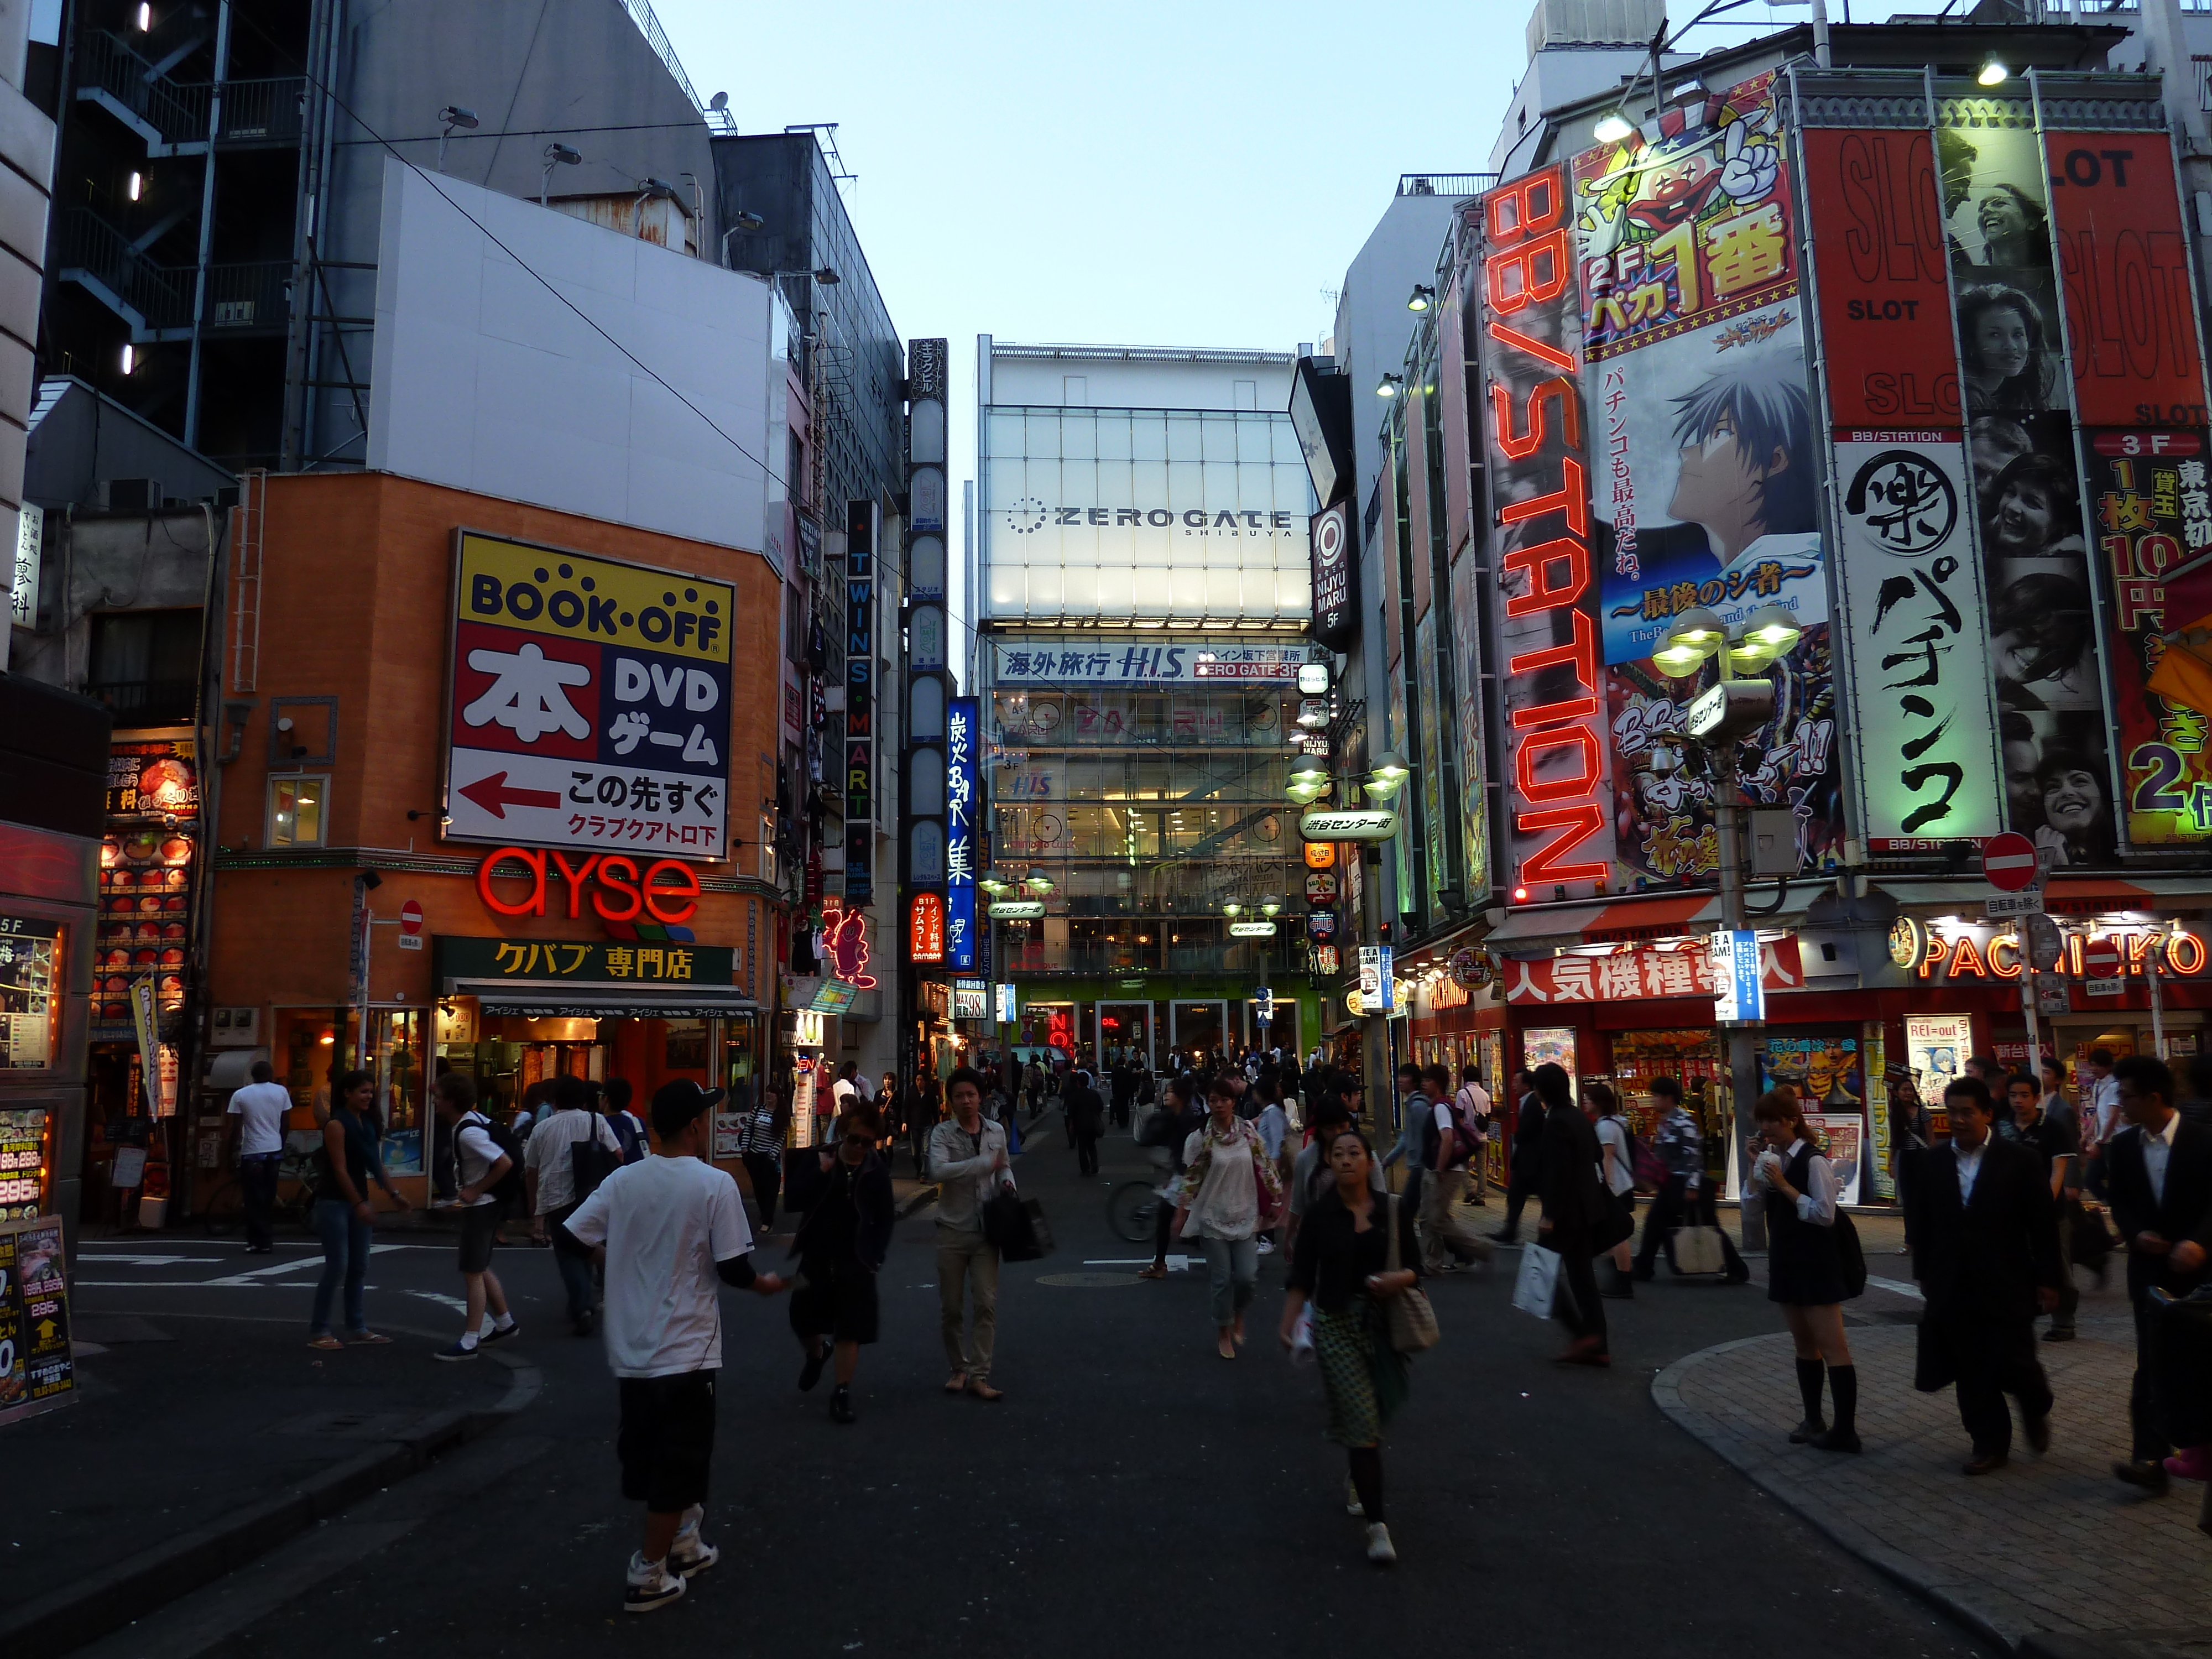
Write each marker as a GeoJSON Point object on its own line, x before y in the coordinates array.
{"type": "Point", "coordinates": [962, 804]}
{"type": "Point", "coordinates": [586, 961]}
{"type": "Point", "coordinates": [589, 703]}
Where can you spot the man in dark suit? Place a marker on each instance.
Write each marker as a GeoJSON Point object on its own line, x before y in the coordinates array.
{"type": "Point", "coordinates": [1086, 1116]}
{"type": "Point", "coordinates": [1986, 1250]}
{"type": "Point", "coordinates": [1576, 1208]}
{"type": "Point", "coordinates": [2159, 1168]}
{"type": "Point", "coordinates": [1527, 1154]}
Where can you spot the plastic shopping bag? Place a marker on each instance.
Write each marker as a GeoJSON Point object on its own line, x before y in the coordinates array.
{"type": "Point", "coordinates": [1539, 1281]}
{"type": "Point", "coordinates": [1302, 1346]}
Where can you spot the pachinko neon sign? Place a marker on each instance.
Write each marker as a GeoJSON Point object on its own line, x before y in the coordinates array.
{"type": "Point", "coordinates": [1553, 693]}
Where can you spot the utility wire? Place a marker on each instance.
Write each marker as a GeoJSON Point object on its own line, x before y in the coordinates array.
{"type": "Point", "coordinates": [377, 139]}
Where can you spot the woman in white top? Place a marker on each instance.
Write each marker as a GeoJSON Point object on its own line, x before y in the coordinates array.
{"type": "Point", "coordinates": [1615, 1170]}
{"type": "Point", "coordinates": [1804, 1263]}
{"type": "Point", "coordinates": [1230, 1192]}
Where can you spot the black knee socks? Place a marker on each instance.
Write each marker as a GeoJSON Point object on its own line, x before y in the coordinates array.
{"type": "Point", "coordinates": [1367, 1478]}
{"type": "Point", "coordinates": [1843, 1383]}
{"type": "Point", "coordinates": [1808, 1385]}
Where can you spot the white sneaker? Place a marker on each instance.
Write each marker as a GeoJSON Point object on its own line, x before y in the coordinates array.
{"type": "Point", "coordinates": [1351, 1504]}
{"type": "Point", "coordinates": [1266, 1246]}
{"type": "Point", "coordinates": [690, 1553]}
{"type": "Point", "coordinates": [1379, 1550]}
{"type": "Point", "coordinates": [652, 1586]}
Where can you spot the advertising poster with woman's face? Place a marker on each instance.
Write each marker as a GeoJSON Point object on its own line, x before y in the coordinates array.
{"type": "Point", "coordinates": [1999, 231]}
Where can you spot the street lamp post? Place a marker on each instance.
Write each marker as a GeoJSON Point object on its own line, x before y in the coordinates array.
{"type": "Point", "coordinates": [1716, 721]}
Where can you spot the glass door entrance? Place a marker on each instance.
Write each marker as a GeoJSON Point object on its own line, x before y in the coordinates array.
{"type": "Point", "coordinates": [1125, 1033]}
{"type": "Point", "coordinates": [1198, 1028]}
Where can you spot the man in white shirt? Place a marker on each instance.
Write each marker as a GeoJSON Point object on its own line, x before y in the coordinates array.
{"type": "Point", "coordinates": [1474, 1103]}
{"type": "Point", "coordinates": [481, 1164]}
{"type": "Point", "coordinates": [549, 1178]}
{"type": "Point", "coordinates": [257, 1137]}
{"type": "Point", "coordinates": [967, 1160]}
{"type": "Point", "coordinates": [671, 1231]}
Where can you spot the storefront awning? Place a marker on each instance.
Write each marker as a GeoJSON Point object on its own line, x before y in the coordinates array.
{"type": "Point", "coordinates": [2065, 895]}
{"type": "Point", "coordinates": [1662, 915]}
{"type": "Point", "coordinates": [550, 999]}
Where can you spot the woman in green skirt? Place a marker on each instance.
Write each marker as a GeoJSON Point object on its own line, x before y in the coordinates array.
{"type": "Point", "coordinates": [1341, 1265]}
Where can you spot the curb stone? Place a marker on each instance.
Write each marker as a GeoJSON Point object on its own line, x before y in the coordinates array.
{"type": "Point", "coordinates": [139, 1584]}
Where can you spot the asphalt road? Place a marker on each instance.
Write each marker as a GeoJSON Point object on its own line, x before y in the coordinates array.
{"type": "Point", "coordinates": [1133, 1493]}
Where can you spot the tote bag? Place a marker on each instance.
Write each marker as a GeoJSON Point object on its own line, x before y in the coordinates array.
{"type": "Point", "coordinates": [1538, 1281]}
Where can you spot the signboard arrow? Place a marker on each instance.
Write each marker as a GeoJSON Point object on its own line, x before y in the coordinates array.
{"type": "Point", "coordinates": [492, 795]}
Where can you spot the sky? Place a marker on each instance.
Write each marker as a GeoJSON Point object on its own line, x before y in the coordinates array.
{"type": "Point", "coordinates": [1189, 174]}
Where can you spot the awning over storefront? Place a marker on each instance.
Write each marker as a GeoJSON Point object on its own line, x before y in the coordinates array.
{"type": "Point", "coordinates": [1627, 920]}
{"type": "Point", "coordinates": [550, 999]}
{"type": "Point", "coordinates": [2065, 895]}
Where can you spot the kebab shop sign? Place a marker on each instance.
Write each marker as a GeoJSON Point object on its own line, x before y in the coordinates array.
{"type": "Point", "coordinates": [666, 891]}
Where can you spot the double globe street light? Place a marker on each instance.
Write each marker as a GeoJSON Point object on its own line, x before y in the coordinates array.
{"type": "Point", "coordinates": [1310, 780]}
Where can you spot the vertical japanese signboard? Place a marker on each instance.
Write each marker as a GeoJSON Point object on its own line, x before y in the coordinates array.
{"type": "Point", "coordinates": [961, 720]}
{"type": "Point", "coordinates": [589, 703]}
{"type": "Point", "coordinates": [1555, 767]}
{"type": "Point", "coordinates": [37, 1370]}
{"type": "Point", "coordinates": [925, 933]}
{"type": "Point", "coordinates": [859, 703]}
{"type": "Point", "coordinates": [1913, 639]}
{"type": "Point", "coordinates": [1707, 457]}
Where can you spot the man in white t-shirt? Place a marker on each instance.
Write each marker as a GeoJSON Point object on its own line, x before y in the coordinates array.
{"type": "Point", "coordinates": [671, 1231]}
{"type": "Point", "coordinates": [1446, 1239]}
{"type": "Point", "coordinates": [257, 1113]}
{"type": "Point", "coordinates": [481, 1164]}
{"type": "Point", "coordinates": [1473, 1100]}
{"type": "Point", "coordinates": [549, 1180]}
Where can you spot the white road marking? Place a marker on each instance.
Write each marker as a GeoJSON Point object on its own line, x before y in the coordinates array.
{"type": "Point", "coordinates": [254, 1274]}
{"type": "Point", "coordinates": [1896, 1287]}
{"type": "Point", "coordinates": [154, 1260]}
{"type": "Point", "coordinates": [1175, 1263]}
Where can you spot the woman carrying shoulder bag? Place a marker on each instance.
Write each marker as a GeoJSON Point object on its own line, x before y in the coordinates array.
{"type": "Point", "coordinates": [1616, 1170]}
{"type": "Point", "coordinates": [1228, 1194]}
{"type": "Point", "coordinates": [1355, 1252]}
{"type": "Point", "coordinates": [1804, 1265]}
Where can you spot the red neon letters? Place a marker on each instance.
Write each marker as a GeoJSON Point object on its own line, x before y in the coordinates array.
{"type": "Point", "coordinates": [669, 892]}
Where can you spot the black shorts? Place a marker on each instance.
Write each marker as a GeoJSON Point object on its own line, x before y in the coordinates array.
{"type": "Point", "coordinates": [836, 1299]}
{"type": "Point", "coordinates": [666, 1439]}
{"type": "Point", "coordinates": [479, 1226]}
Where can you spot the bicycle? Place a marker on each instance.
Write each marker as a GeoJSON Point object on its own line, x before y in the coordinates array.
{"type": "Point", "coordinates": [223, 1211]}
{"type": "Point", "coordinates": [1133, 1211]}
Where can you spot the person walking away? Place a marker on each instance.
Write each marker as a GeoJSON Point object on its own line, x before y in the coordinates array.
{"type": "Point", "coordinates": [1412, 1128]}
{"type": "Point", "coordinates": [2159, 1168]}
{"type": "Point", "coordinates": [1229, 1194]}
{"type": "Point", "coordinates": [1449, 1143]}
{"type": "Point", "coordinates": [1679, 1143]}
{"type": "Point", "coordinates": [2101, 1120]}
{"type": "Point", "coordinates": [1123, 1082]}
{"type": "Point", "coordinates": [921, 1115]}
{"type": "Point", "coordinates": [1340, 1266]}
{"type": "Point", "coordinates": [630, 1132]}
{"type": "Point", "coordinates": [1912, 1129]}
{"type": "Point", "coordinates": [1086, 1116]}
{"type": "Point", "coordinates": [967, 1160]}
{"type": "Point", "coordinates": [564, 1160]}
{"type": "Point", "coordinates": [486, 1163]}
{"type": "Point", "coordinates": [257, 1113]}
{"type": "Point", "coordinates": [845, 1195]}
{"type": "Point", "coordinates": [1575, 1211]}
{"type": "Point", "coordinates": [1796, 1183]}
{"type": "Point", "coordinates": [1310, 1173]}
{"type": "Point", "coordinates": [2057, 1142]}
{"type": "Point", "coordinates": [1274, 1127]}
{"type": "Point", "coordinates": [890, 1113]}
{"type": "Point", "coordinates": [1617, 1175]}
{"type": "Point", "coordinates": [1986, 1251]}
{"type": "Point", "coordinates": [1472, 1102]}
{"type": "Point", "coordinates": [1525, 1172]}
{"type": "Point", "coordinates": [344, 1219]}
{"type": "Point", "coordinates": [1183, 1112]}
{"type": "Point", "coordinates": [843, 1091]}
{"type": "Point", "coordinates": [2195, 1101]}
{"type": "Point", "coordinates": [669, 1232]}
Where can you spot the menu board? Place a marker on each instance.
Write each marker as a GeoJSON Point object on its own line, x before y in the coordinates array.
{"type": "Point", "coordinates": [36, 1370]}
{"type": "Point", "coordinates": [29, 1005]}
{"type": "Point", "coordinates": [22, 1163]}
{"type": "Point", "coordinates": [145, 923]}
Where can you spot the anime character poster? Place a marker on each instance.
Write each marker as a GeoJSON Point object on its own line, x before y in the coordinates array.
{"type": "Point", "coordinates": [1688, 222]}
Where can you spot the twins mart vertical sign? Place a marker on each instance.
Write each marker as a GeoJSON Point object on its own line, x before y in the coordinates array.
{"type": "Point", "coordinates": [963, 804]}
{"type": "Point", "coordinates": [860, 523]}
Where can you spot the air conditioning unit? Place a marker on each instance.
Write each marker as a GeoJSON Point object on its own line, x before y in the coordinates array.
{"type": "Point", "coordinates": [131, 495]}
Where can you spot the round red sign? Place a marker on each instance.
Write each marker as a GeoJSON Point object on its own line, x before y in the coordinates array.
{"type": "Point", "coordinates": [2101, 959]}
{"type": "Point", "coordinates": [2009, 861]}
{"type": "Point", "coordinates": [410, 917]}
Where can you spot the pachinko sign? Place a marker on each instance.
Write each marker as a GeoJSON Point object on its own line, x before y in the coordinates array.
{"type": "Point", "coordinates": [589, 703]}
{"type": "Point", "coordinates": [1557, 777]}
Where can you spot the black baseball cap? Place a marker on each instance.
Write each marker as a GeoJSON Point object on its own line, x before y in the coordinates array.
{"type": "Point", "coordinates": [675, 1104]}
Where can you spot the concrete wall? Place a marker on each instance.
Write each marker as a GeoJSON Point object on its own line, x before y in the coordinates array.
{"type": "Point", "coordinates": [26, 169]}
{"type": "Point", "coordinates": [1137, 382]}
{"type": "Point", "coordinates": [486, 381]}
{"type": "Point", "coordinates": [93, 562]}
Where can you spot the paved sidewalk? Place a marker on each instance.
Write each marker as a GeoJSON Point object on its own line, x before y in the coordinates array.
{"type": "Point", "coordinates": [2050, 1556]}
{"type": "Point", "coordinates": [196, 1441]}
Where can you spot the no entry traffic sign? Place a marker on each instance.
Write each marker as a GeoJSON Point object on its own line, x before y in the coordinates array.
{"type": "Point", "coordinates": [2008, 862]}
{"type": "Point", "coordinates": [410, 917]}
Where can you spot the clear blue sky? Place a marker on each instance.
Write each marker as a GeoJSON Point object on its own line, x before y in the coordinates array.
{"type": "Point", "coordinates": [1186, 172]}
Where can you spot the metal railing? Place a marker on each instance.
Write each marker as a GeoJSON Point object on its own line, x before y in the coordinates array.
{"type": "Point", "coordinates": [256, 295]}
{"type": "Point", "coordinates": [178, 113]}
{"type": "Point", "coordinates": [1445, 184]}
{"type": "Point", "coordinates": [1233, 957]}
{"type": "Point", "coordinates": [148, 702]}
{"type": "Point", "coordinates": [649, 25]}
{"type": "Point", "coordinates": [161, 296]}
{"type": "Point", "coordinates": [263, 112]}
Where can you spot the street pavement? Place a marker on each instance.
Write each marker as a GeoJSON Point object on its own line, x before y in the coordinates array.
{"type": "Point", "coordinates": [1133, 1492]}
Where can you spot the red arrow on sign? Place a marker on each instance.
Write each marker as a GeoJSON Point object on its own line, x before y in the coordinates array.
{"type": "Point", "coordinates": [495, 797]}
{"type": "Point", "coordinates": [2008, 862]}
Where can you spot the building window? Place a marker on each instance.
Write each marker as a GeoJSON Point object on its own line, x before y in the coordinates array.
{"type": "Point", "coordinates": [295, 808]}
{"type": "Point", "coordinates": [145, 665]}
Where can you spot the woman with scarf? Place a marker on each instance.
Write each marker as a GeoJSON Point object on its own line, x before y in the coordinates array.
{"type": "Point", "coordinates": [1231, 1193]}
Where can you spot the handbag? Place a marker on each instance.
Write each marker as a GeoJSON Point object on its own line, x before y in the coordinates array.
{"type": "Point", "coordinates": [590, 1162]}
{"type": "Point", "coordinates": [1412, 1320]}
{"type": "Point", "coordinates": [1016, 1227]}
{"type": "Point", "coordinates": [1538, 1281]}
{"type": "Point", "coordinates": [1698, 1250]}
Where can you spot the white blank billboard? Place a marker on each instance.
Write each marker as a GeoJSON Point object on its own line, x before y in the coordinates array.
{"type": "Point", "coordinates": [484, 380]}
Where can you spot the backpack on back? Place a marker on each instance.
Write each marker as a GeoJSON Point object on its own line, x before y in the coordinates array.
{"type": "Point", "coordinates": [508, 1188]}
